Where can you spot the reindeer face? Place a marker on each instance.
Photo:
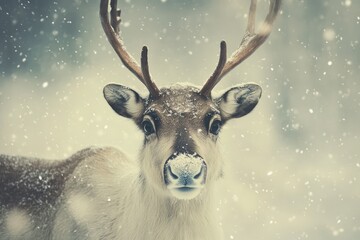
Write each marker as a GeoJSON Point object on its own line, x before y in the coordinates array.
{"type": "Point", "coordinates": [181, 124]}
{"type": "Point", "coordinates": [181, 128]}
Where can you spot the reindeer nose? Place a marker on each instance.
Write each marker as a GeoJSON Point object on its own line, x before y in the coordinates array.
{"type": "Point", "coordinates": [185, 170]}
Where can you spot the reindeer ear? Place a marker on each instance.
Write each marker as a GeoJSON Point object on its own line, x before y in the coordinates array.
{"type": "Point", "coordinates": [239, 101]}
{"type": "Point", "coordinates": [125, 101]}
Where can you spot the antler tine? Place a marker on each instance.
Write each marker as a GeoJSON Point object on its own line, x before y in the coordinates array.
{"type": "Point", "coordinates": [112, 31]}
{"type": "Point", "coordinates": [154, 91]}
{"type": "Point", "coordinates": [251, 18]}
{"type": "Point", "coordinates": [250, 42]}
{"type": "Point", "coordinates": [115, 16]}
{"type": "Point", "coordinates": [210, 84]}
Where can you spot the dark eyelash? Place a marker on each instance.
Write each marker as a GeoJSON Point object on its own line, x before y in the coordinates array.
{"type": "Point", "coordinates": [155, 118]}
{"type": "Point", "coordinates": [208, 118]}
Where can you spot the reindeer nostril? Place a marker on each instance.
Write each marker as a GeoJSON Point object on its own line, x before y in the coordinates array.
{"type": "Point", "coordinates": [173, 175]}
{"type": "Point", "coordinates": [202, 170]}
{"type": "Point", "coordinates": [199, 174]}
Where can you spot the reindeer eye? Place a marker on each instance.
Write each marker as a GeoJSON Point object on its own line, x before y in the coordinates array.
{"type": "Point", "coordinates": [148, 127]}
{"type": "Point", "coordinates": [215, 127]}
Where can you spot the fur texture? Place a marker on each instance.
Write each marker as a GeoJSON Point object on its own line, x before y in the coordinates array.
{"type": "Point", "coordinates": [106, 197]}
{"type": "Point", "coordinates": [99, 193]}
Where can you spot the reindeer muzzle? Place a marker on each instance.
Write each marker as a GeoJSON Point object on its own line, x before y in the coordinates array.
{"type": "Point", "coordinates": [185, 175]}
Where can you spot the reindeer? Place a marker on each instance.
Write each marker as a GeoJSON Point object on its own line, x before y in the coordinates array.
{"type": "Point", "coordinates": [98, 193]}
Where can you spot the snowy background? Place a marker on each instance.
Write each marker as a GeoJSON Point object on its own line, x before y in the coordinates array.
{"type": "Point", "coordinates": [293, 165]}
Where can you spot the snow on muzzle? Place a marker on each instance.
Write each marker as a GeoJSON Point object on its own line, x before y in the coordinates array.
{"type": "Point", "coordinates": [185, 175]}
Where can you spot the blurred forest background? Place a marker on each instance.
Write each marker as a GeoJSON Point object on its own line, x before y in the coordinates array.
{"type": "Point", "coordinates": [293, 165]}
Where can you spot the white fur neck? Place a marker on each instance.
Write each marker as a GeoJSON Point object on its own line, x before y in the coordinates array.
{"type": "Point", "coordinates": [151, 215]}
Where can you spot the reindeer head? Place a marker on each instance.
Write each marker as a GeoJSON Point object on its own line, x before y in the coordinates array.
{"type": "Point", "coordinates": [181, 124]}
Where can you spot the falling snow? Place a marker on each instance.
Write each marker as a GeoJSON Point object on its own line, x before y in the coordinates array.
{"type": "Point", "coordinates": [291, 167]}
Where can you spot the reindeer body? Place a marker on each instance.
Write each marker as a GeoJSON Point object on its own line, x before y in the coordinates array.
{"type": "Point", "coordinates": [96, 194]}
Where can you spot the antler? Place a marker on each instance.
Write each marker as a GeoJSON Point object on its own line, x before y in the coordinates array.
{"type": "Point", "coordinates": [112, 31]}
{"type": "Point", "coordinates": [250, 42]}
